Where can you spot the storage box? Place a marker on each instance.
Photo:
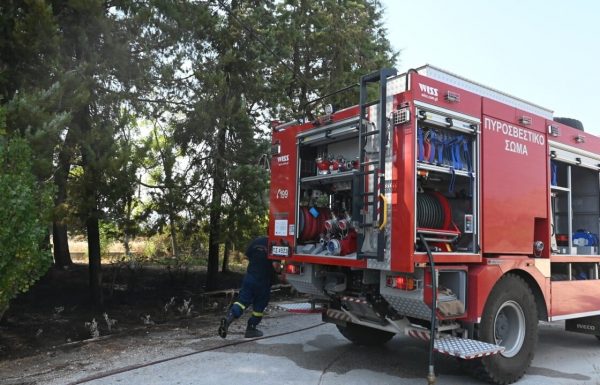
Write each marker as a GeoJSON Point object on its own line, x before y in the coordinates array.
{"type": "Point", "coordinates": [587, 250]}
{"type": "Point", "coordinates": [565, 250]}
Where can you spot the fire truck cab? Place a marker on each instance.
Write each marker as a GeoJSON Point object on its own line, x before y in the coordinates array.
{"type": "Point", "coordinates": [445, 210]}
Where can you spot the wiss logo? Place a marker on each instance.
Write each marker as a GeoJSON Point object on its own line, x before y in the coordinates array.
{"type": "Point", "coordinates": [428, 91]}
{"type": "Point", "coordinates": [283, 159]}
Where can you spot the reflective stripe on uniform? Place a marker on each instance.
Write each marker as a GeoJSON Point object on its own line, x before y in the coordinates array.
{"type": "Point", "coordinates": [257, 314]}
{"type": "Point", "coordinates": [240, 305]}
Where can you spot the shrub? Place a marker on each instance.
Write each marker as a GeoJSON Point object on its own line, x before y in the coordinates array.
{"type": "Point", "coordinates": [24, 209]}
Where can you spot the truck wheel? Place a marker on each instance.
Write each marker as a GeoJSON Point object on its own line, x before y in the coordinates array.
{"type": "Point", "coordinates": [570, 122]}
{"type": "Point", "coordinates": [509, 319]}
{"type": "Point", "coordinates": [363, 335]}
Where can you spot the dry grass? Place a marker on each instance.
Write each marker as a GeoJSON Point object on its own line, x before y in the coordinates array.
{"type": "Point", "coordinates": [79, 247]}
{"type": "Point", "coordinates": [79, 253]}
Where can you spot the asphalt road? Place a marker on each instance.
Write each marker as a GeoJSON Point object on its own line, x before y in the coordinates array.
{"type": "Point", "coordinates": [321, 356]}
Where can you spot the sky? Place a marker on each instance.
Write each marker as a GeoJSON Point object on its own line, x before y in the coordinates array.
{"type": "Point", "coordinates": [546, 52]}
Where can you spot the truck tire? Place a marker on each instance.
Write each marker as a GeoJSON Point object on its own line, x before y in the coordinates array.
{"type": "Point", "coordinates": [363, 335]}
{"type": "Point", "coordinates": [509, 319]}
{"type": "Point", "coordinates": [570, 122]}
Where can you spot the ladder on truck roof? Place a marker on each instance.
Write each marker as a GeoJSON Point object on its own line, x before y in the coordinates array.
{"type": "Point", "coordinates": [370, 195]}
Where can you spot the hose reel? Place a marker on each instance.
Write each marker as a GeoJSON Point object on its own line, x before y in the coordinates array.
{"type": "Point", "coordinates": [311, 222]}
{"type": "Point", "coordinates": [434, 219]}
{"type": "Point", "coordinates": [433, 211]}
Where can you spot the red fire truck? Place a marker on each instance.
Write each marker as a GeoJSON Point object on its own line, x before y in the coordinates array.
{"type": "Point", "coordinates": [445, 210]}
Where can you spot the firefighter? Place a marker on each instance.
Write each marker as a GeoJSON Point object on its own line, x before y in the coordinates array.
{"type": "Point", "coordinates": [255, 291]}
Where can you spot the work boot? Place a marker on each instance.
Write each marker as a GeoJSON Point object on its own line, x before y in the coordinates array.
{"type": "Point", "coordinates": [225, 322]}
{"type": "Point", "coordinates": [253, 332]}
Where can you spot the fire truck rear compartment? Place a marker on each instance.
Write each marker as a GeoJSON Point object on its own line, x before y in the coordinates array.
{"type": "Point", "coordinates": [329, 200]}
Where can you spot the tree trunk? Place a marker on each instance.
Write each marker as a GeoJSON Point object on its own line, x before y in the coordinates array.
{"type": "Point", "coordinates": [126, 245]}
{"type": "Point", "coordinates": [168, 164]}
{"type": "Point", "coordinates": [95, 261]}
{"type": "Point", "coordinates": [212, 269]}
{"type": "Point", "coordinates": [218, 188]}
{"type": "Point", "coordinates": [60, 238]}
{"type": "Point", "coordinates": [173, 231]}
{"type": "Point", "coordinates": [90, 209]}
{"type": "Point", "coordinates": [127, 227]}
{"type": "Point", "coordinates": [226, 252]}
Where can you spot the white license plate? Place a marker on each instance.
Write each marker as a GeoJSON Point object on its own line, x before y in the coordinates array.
{"type": "Point", "coordinates": [280, 250]}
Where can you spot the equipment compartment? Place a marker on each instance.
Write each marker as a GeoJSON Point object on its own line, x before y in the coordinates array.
{"type": "Point", "coordinates": [446, 173]}
{"type": "Point", "coordinates": [575, 206]}
{"type": "Point", "coordinates": [327, 162]}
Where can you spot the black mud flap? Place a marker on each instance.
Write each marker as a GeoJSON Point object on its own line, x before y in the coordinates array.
{"type": "Point", "coordinates": [586, 325]}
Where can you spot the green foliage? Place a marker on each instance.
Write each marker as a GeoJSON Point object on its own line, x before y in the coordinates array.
{"type": "Point", "coordinates": [33, 115]}
{"type": "Point", "coordinates": [109, 233]}
{"type": "Point", "coordinates": [24, 210]}
{"type": "Point", "coordinates": [151, 117]}
{"type": "Point", "coordinates": [327, 45]}
{"type": "Point", "coordinates": [2, 122]}
{"type": "Point", "coordinates": [29, 47]}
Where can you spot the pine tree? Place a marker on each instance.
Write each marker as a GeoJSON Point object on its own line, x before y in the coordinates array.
{"type": "Point", "coordinates": [268, 60]}
{"type": "Point", "coordinates": [326, 45]}
{"type": "Point", "coordinates": [115, 54]}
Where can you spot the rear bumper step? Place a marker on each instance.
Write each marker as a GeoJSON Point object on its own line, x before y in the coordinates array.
{"type": "Point", "coordinates": [457, 347]}
{"type": "Point", "coordinates": [300, 307]}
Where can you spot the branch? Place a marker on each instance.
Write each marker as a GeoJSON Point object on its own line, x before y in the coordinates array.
{"type": "Point", "coordinates": [152, 186]}
{"type": "Point", "coordinates": [164, 101]}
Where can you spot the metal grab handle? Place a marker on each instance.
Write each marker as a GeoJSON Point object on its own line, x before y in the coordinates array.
{"type": "Point", "coordinates": [451, 236]}
{"type": "Point", "coordinates": [385, 213]}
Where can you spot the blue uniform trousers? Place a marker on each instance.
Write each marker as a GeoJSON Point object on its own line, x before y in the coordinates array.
{"type": "Point", "coordinates": [253, 293]}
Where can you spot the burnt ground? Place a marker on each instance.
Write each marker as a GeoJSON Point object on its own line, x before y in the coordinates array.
{"type": "Point", "coordinates": [55, 314]}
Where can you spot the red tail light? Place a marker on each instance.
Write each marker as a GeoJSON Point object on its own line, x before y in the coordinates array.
{"type": "Point", "coordinates": [293, 269]}
{"type": "Point", "coordinates": [401, 282]}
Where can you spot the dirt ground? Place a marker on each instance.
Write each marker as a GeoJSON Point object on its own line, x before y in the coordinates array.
{"type": "Point", "coordinates": [54, 316]}
{"type": "Point", "coordinates": [75, 362]}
